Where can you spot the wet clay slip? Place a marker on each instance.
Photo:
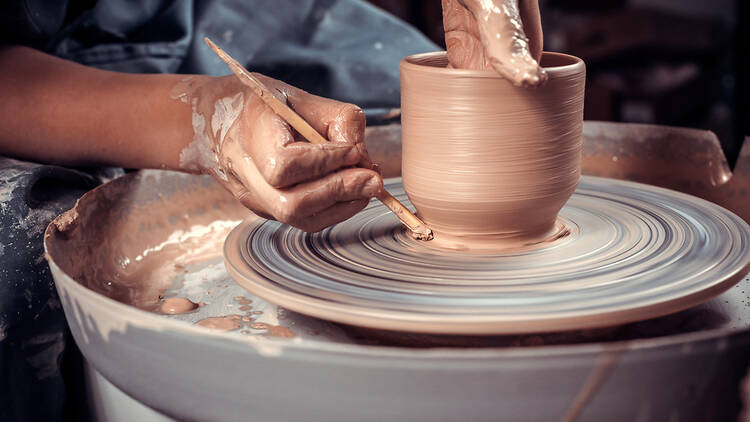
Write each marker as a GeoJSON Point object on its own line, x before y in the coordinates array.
{"type": "Point", "coordinates": [489, 165]}
{"type": "Point", "coordinates": [177, 305]}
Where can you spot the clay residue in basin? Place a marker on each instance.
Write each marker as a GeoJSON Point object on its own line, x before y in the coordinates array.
{"type": "Point", "coordinates": [274, 330]}
{"type": "Point", "coordinates": [177, 305]}
{"type": "Point", "coordinates": [157, 225]}
{"type": "Point", "coordinates": [222, 323]}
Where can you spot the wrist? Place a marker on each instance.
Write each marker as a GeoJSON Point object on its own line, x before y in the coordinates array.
{"type": "Point", "coordinates": [214, 103]}
{"type": "Point", "coordinates": [193, 152]}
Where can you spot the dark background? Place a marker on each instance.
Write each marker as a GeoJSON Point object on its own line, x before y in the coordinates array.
{"type": "Point", "coordinates": [671, 62]}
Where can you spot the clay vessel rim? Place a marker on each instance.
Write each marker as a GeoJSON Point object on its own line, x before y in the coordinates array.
{"type": "Point", "coordinates": [416, 63]}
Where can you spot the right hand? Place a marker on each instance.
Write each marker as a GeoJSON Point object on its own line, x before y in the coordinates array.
{"type": "Point", "coordinates": [267, 166]}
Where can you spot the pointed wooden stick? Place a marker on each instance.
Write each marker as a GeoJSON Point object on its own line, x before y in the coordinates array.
{"type": "Point", "coordinates": [419, 229]}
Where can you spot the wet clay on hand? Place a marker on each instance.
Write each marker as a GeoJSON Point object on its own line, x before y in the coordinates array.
{"type": "Point", "coordinates": [504, 35]}
{"type": "Point", "coordinates": [487, 164]}
{"type": "Point", "coordinates": [255, 155]}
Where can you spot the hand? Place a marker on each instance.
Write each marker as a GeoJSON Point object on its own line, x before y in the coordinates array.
{"type": "Point", "coordinates": [492, 34]}
{"type": "Point", "coordinates": [266, 165]}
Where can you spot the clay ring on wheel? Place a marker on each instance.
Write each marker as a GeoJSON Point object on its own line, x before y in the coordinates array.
{"type": "Point", "coordinates": [634, 252]}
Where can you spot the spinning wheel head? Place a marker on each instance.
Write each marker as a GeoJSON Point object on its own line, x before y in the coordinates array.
{"type": "Point", "coordinates": [633, 252]}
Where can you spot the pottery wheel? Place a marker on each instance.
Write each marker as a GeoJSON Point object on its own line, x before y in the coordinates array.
{"type": "Point", "coordinates": [634, 252]}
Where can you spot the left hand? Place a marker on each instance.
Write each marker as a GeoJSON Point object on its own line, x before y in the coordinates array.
{"type": "Point", "coordinates": [505, 35]}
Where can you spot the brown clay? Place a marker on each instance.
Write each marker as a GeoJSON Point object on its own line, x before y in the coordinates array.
{"type": "Point", "coordinates": [223, 323]}
{"type": "Point", "coordinates": [274, 330]}
{"type": "Point", "coordinates": [488, 165]}
{"type": "Point", "coordinates": [141, 261]}
{"type": "Point", "coordinates": [178, 305]}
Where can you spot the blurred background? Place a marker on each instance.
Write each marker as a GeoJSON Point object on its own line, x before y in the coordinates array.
{"type": "Point", "coordinates": [671, 62]}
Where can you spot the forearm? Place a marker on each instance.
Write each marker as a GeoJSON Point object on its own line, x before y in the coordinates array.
{"type": "Point", "coordinates": [56, 111]}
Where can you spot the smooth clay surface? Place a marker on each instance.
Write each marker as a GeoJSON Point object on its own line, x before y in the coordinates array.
{"type": "Point", "coordinates": [489, 165]}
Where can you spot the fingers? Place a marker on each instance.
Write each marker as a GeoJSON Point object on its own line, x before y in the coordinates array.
{"type": "Point", "coordinates": [348, 126]}
{"type": "Point", "coordinates": [302, 161]}
{"type": "Point", "coordinates": [532, 27]}
{"type": "Point", "coordinates": [285, 162]}
{"type": "Point", "coordinates": [498, 30]}
{"type": "Point", "coordinates": [261, 161]}
{"type": "Point", "coordinates": [306, 185]}
{"type": "Point", "coordinates": [335, 214]}
{"type": "Point", "coordinates": [284, 159]}
{"type": "Point", "coordinates": [464, 49]}
{"type": "Point", "coordinates": [501, 31]}
{"type": "Point", "coordinates": [335, 120]}
{"type": "Point", "coordinates": [338, 122]}
{"type": "Point", "coordinates": [305, 202]}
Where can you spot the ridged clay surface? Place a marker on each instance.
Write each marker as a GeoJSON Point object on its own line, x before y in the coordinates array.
{"type": "Point", "coordinates": [634, 252]}
{"type": "Point", "coordinates": [488, 165]}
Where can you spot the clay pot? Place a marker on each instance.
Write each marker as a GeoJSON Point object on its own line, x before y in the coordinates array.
{"type": "Point", "coordinates": [489, 165]}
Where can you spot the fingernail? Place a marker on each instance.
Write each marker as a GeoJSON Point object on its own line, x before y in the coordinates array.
{"type": "Point", "coordinates": [372, 187]}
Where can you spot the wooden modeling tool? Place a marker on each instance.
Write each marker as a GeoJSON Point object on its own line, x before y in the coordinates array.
{"type": "Point", "coordinates": [418, 228]}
